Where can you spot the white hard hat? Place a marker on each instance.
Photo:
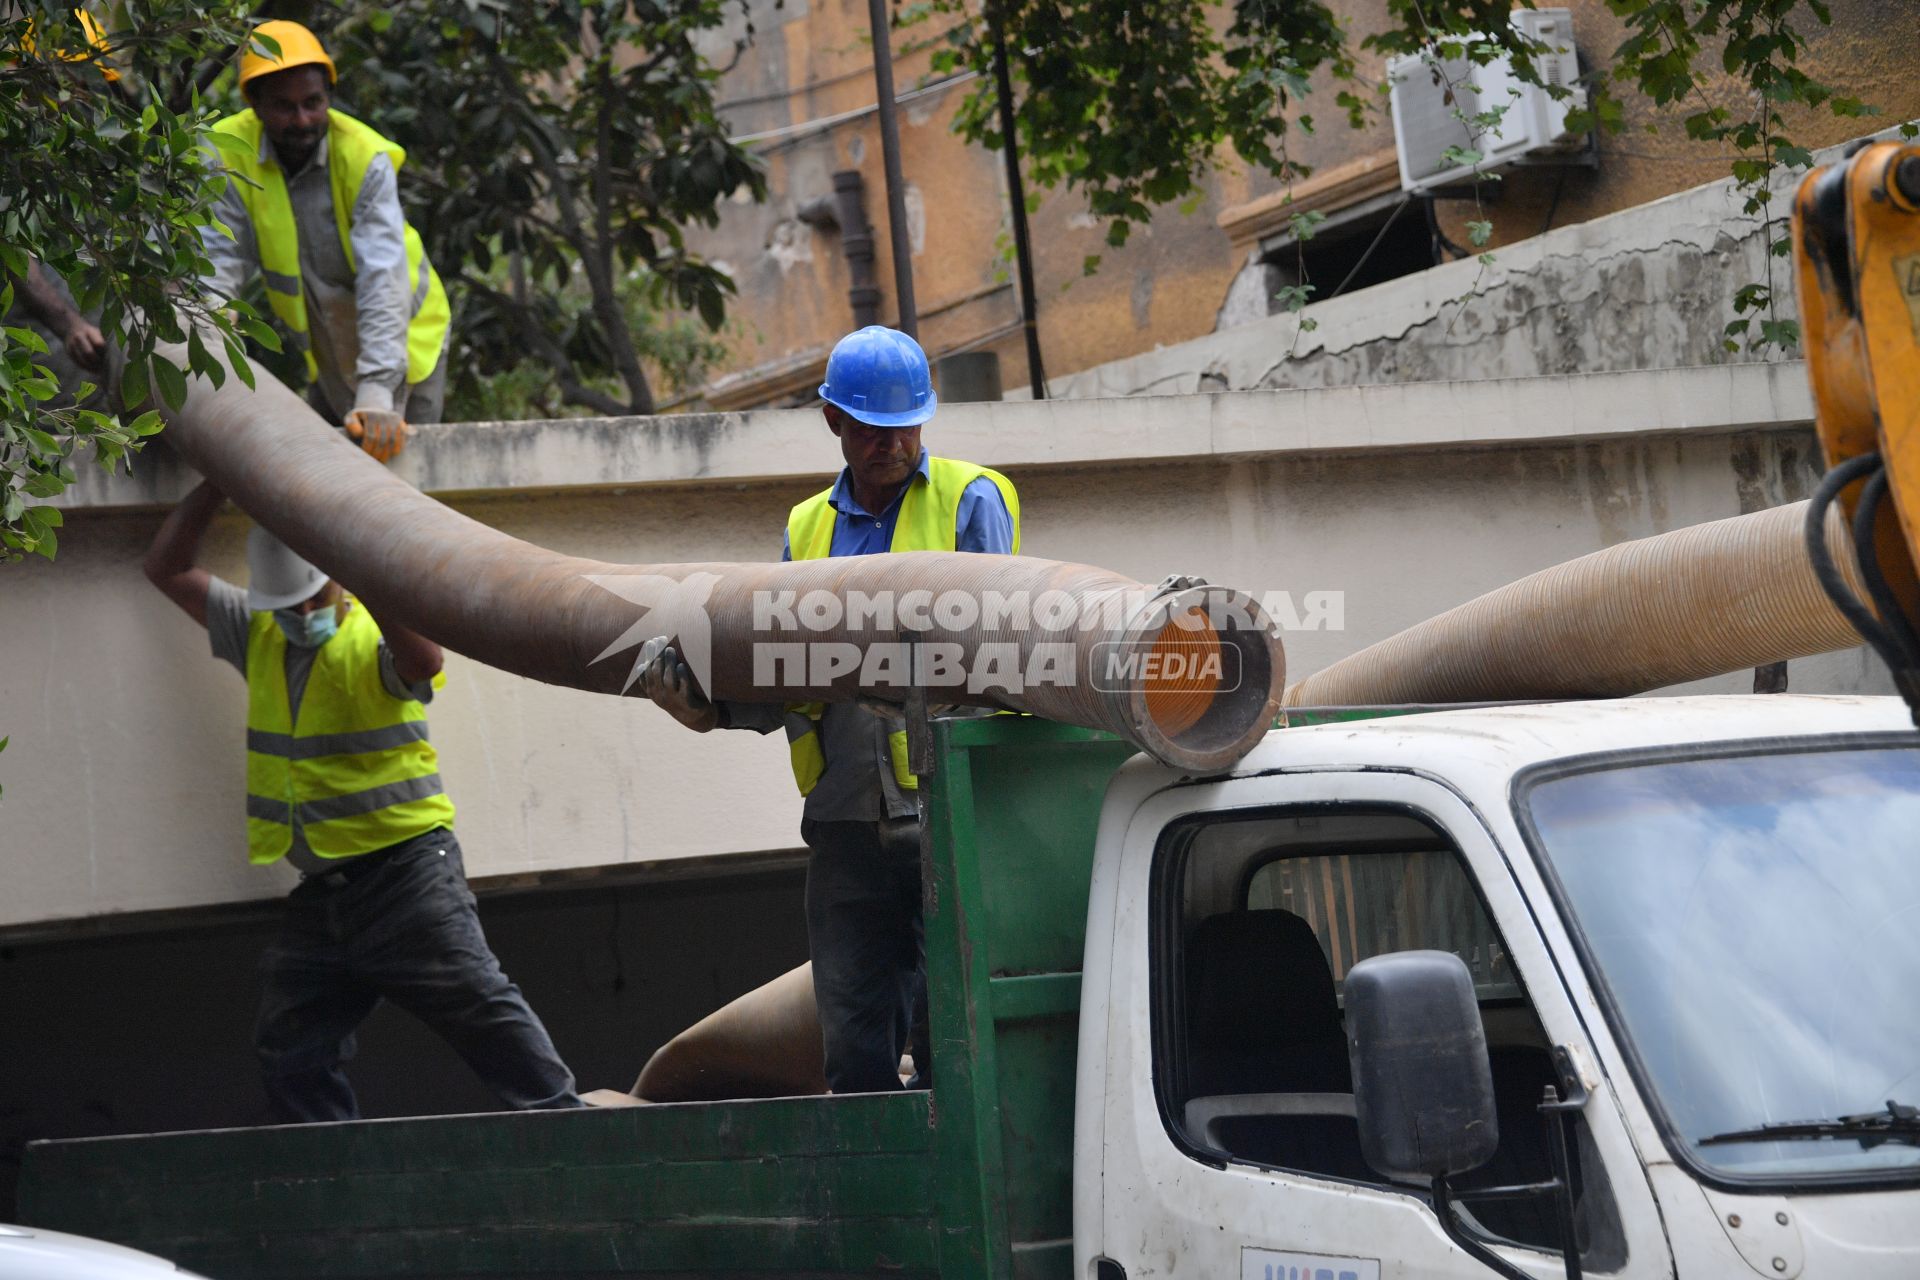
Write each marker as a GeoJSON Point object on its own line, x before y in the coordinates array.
{"type": "Point", "coordinates": [277, 578]}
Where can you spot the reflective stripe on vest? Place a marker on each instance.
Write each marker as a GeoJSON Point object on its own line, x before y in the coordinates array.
{"type": "Point", "coordinates": [357, 770]}
{"type": "Point", "coordinates": [262, 188]}
{"type": "Point", "coordinates": [809, 761]}
{"type": "Point", "coordinates": [928, 520]}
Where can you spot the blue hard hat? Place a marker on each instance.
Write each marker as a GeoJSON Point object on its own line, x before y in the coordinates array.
{"type": "Point", "coordinates": [880, 376]}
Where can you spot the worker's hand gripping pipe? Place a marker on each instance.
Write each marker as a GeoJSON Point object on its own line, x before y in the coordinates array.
{"type": "Point", "coordinates": [1191, 675]}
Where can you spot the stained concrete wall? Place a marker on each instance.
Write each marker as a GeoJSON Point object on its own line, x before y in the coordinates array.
{"type": "Point", "coordinates": [803, 92]}
{"type": "Point", "coordinates": [123, 781]}
{"type": "Point", "coordinates": [1650, 287]}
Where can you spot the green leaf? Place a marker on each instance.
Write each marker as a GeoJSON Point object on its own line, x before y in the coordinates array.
{"type": "Point", "coordinates": [237, 358]}
{"type": "Point", "coordinates": [230, 144]}
{"type": "Point", "coordinates": [201, 361]}
{"type": "Point", "coordinates": [134, 382]}
{"type": "Point", "coordinates": [172, 382]}
{"type": "Point", "coordinates": [1479, 232]}
{"type": "Point", "coordinates": [260, 331]}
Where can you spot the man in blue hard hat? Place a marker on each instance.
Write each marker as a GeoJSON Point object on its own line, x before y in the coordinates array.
{"type": "Point", "coordinates": [861, 822]}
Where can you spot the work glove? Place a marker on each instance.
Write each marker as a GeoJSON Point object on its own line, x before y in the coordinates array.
{"type": "Point", "coordinates": [666, 679]}
{"type": "Point", "coordinates": [381, 432]}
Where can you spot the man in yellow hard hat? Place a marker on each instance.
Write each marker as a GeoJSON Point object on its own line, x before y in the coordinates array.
{"type": "Point", "coordinates": [314, 207]}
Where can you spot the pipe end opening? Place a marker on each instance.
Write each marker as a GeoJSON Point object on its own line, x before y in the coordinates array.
{"type": "Point", "coordinates": [1205, 668]}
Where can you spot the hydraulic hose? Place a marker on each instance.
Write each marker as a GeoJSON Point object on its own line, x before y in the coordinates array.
{"type": "Point", "coordinates": [1191, 676]}
{"type": "Point", "coordinates": [1680, 606]}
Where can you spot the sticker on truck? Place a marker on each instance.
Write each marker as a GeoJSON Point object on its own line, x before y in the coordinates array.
{"type": "Point", "coordinates": [1269, 1264]}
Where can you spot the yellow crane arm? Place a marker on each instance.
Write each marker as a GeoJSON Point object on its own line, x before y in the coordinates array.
{"type": "Point", "coordinates": [1856, 252]}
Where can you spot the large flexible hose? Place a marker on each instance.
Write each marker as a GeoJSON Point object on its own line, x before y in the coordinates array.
{"type": "Point", "coordinates": [1679, 606]}
{"type": "Point", "coordinates": [1191, 676]}
{"type": "Point", "coordinates": [764, 1044]}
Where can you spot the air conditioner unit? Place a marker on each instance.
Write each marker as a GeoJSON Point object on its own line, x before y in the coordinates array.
{"type": "Point", "coordinates": [1434, 98]}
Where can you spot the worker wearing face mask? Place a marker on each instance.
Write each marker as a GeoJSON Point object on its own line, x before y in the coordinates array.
{"type": "Point", "coordinates": [343, 783]}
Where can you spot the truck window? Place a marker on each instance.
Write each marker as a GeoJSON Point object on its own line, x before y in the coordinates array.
{"type": "Point", "coordinates": [1258, 917]}
{"type": "Point", "coordinates": [1749, 919]}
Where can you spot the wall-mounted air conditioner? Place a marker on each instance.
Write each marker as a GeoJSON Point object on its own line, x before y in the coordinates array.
{"type": "Point", "coordinates": [1434, 99]}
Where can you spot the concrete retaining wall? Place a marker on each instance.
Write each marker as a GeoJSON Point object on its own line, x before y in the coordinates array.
{"type": "Point", "coordinates": [123, 781]}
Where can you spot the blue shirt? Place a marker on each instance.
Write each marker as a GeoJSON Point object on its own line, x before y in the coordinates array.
{"type": "Point", "coordinates": [983, 522]}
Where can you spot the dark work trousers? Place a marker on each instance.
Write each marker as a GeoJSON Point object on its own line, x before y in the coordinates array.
{"type": "Point", "coordinates": [399, 926]}
{"type": "Point", "coordinates": [867, 940]}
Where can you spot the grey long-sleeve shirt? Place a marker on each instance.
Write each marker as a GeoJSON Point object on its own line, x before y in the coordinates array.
{"type": "Point", "coordinates": [357, 315]}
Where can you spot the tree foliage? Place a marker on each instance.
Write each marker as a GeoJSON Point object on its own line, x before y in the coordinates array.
{"type": "Point", "coordinates": [556, 149]}
{"type": "Point", "coordinates": [107, 185]}
{"type": "Point", "coordinates": [1129, 101]}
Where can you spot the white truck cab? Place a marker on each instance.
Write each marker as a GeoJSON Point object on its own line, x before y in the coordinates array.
{"type": "Point", "coordinates": [1696, 920]}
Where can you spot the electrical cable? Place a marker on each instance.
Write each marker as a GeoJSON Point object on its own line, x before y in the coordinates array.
{"type": "Point", "coordinates": [1824, 568]}
{"type": "Point", "coordinates": [1867, 550]}
{"type": "Point", "coordinates": [1378, 236]}
{"type": "Point", "coordinates": [1553, 206]}
{"type": "Point", "coordinates": [809, 86]}
{"type": "Point", "coordinates": [789, 134]}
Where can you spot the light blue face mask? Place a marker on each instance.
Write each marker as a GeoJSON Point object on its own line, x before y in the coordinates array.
{"type": "Point", "coordinates": [309, 630]}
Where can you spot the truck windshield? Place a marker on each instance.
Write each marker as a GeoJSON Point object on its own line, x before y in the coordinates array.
{"type": "Point", "coordinates": [1755, 924]}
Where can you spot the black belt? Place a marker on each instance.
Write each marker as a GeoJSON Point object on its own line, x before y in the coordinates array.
{"type": "Point", "coordinates": [346, 870]}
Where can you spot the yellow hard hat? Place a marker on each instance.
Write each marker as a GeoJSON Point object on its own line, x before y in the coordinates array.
{"type": "Point", "coordinates": [299, 47]}
{"type": "Point", "coordinates": [96, 42]}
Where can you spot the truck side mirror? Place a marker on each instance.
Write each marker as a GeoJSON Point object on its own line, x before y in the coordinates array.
{"type": "Point", "coordinates": [1422, 1089]}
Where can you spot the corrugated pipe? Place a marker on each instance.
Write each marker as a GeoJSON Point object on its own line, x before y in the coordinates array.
{"type": "Point", "coordinates": [1192, 677]}
{"type": "Point", "coordinates": [1680, 606]}
{"type": "Point", "coordinates": [764, 1044]}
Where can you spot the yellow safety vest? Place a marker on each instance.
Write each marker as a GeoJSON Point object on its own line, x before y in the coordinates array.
{"type": "Point", "coordinates": [929, 514]}
{"type": "Point", "coordinates": [356, 769]}
{"type": "Point", "coordinates": [351, 147]}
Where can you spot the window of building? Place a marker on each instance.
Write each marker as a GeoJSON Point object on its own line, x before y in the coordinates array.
{"type": "Point", "coordinates": [1355, 249]}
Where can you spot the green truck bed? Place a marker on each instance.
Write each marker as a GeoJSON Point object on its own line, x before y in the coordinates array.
{"type": "Point", "coordinates": [973, 1179]}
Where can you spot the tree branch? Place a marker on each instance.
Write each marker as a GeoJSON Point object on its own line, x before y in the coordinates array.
{"type": "Point", "coordinates": [566, 376]}
{"type": "Point", "coordinates": [600, 274]}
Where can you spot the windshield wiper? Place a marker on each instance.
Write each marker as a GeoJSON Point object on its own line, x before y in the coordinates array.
{"type": "Point", "coordinates": [1898, 1123]}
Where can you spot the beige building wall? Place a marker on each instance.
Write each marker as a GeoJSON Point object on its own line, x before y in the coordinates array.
{"type": "Point", "coordinates": [803, 91]}
{"type": "Point", "coordinates": [123, 780]}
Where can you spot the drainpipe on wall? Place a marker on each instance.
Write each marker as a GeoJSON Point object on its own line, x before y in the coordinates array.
{"type": "Point", "coordinates": [845, 211]}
